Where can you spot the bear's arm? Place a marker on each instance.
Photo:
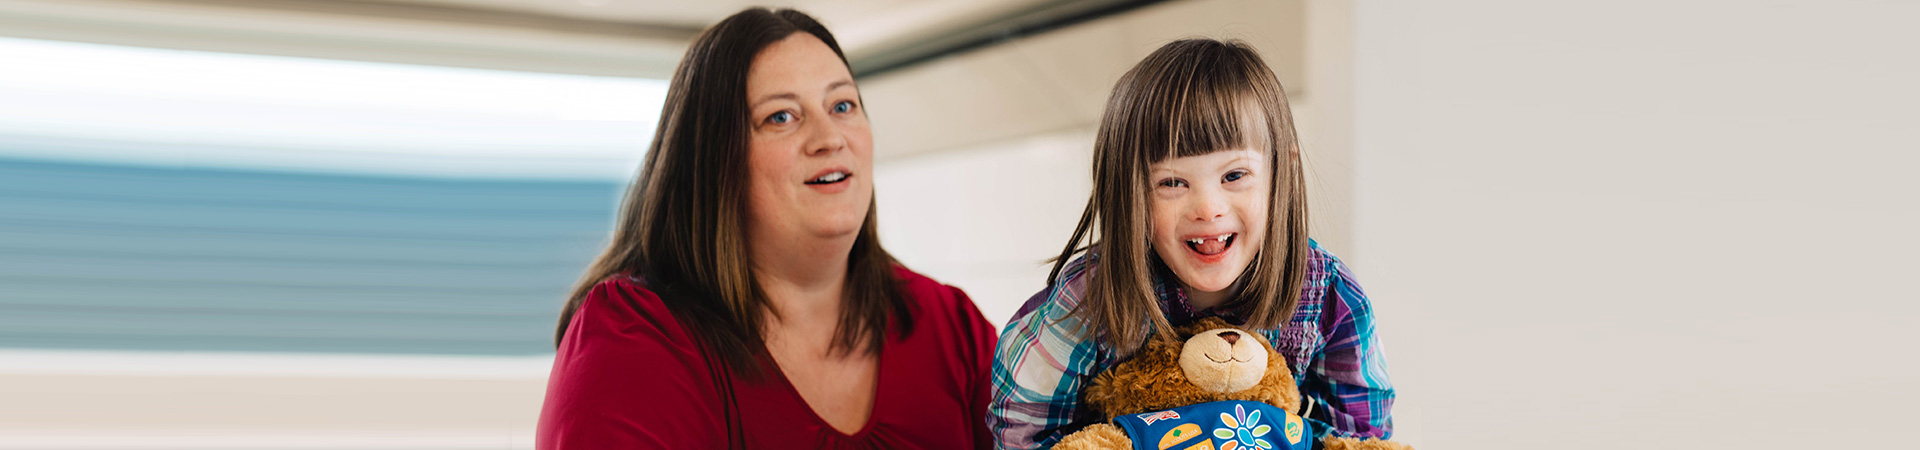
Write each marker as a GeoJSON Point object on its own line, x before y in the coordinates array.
{"type": "Point", "coordinates": [1096, 437]}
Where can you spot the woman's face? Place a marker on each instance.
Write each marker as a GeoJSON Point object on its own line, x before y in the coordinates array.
{"type": "Point", "coordinates": [811, 154]}
{"type": "Point", "coordinates": [1210, 215]}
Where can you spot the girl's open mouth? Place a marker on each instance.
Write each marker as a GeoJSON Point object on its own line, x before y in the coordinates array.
{"type": "Point", "coordinates": [1213, 245]}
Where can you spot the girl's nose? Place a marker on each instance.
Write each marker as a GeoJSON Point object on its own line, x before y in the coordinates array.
{"type": "Point", "coordinates": [1209, 205]}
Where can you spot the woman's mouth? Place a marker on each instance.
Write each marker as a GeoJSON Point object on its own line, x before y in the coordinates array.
{"type": "Point", "coordinates": [1211, 245]}
{"type": "Point", "coordinates": [830, 177]}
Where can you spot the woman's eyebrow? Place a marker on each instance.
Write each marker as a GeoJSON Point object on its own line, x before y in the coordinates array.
{"type": "Point", "coordinates": [772, 97]}
{"type": "Point", "coordinates": [796, 98]}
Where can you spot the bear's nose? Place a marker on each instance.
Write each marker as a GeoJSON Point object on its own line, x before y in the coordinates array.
{"type": "Point", "coordinates": [1230, 336]}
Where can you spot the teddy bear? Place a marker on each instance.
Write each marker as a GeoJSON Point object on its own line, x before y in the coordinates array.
{"type": "Point", "coordinates": [1215, 387]}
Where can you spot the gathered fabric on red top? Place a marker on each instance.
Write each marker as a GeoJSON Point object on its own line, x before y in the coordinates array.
{"type": "Point", "coordinates": [628, 376]}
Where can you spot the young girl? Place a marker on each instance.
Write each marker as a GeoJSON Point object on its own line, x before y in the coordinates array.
{"type": "Point", "coordinates": [1200, 210]}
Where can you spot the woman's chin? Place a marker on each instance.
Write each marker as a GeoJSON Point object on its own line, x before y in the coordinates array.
{"type": "Point", "coordinates": [838, 226]}
{"type": "Point", "coordinates": [831, 220]}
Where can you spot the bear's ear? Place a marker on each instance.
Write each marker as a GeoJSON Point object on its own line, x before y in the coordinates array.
{"type": "Point", "coordinates": [1277, 386]}
{"type": "Point", "coordinates": [1139, 383]}
{"type": "Point", "coordinates": [1202, 325]}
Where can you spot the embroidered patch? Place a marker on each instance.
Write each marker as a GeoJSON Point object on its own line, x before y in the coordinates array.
{"type": "Point", "coordinates": [1294, 429]}
{"type": "Point", "coordinates": [1242, 430]}
{"type": "Point", "coordinates": [1163, 415]}
{"type": "Point", "coordinates": [1179, 434]}
{"type": "Point", "coordinates": [1203, 445]}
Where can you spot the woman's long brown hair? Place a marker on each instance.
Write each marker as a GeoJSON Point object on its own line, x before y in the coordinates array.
{"type": "Point", "coordinates": [682, 224]}
{"type": "Point", "coordinates": [1190, 97]}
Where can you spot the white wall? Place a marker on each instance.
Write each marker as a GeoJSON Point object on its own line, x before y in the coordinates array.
{"type": "Point", "coordinates": [1666, 224]}
{"type": "Point", "coordinates": [986, 219]}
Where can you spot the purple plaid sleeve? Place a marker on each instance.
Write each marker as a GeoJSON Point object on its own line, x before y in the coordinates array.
{"type": "Point", "coordinates": [1350, 375]}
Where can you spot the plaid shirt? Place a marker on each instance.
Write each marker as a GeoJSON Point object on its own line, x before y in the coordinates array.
{"type": "Point", "coordinates": [1043, 361]}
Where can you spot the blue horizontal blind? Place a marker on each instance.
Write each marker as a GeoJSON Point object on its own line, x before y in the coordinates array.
{"type": "Point", "coordinates": [96, 256]}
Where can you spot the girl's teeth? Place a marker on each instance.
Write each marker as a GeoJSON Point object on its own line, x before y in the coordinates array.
{"type": "Point", "coordinates": [1221, 238]}
{"type": "Point", "coordinates": [1210, 245]}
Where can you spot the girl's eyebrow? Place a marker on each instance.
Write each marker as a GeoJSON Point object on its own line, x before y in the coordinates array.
{"type": "Point", "coordinates": [1235, 160]}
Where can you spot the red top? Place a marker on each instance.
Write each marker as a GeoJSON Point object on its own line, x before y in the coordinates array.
{"type": "Point", "coordinates": [628, 376]}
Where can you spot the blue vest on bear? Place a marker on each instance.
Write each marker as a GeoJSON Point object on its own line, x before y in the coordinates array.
{"type": "Point", "coordinates": [1223, 425]}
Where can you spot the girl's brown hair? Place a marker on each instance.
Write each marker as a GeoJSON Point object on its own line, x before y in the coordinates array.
{"type": "Point", "coordinates": [1190, 97]}
{"type": "Point", "coordinates": [685, 233]}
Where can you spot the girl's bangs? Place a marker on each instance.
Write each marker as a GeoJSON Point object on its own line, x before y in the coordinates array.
{"type": "Point", "coordinates": [1212, 115]}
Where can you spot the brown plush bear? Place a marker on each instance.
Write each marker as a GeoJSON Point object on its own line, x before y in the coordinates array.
{"type": "Point", "coordinates": [1235, 391]}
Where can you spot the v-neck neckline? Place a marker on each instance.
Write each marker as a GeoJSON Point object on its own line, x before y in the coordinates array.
{"type": "Point", "coordinates": [873, 406]}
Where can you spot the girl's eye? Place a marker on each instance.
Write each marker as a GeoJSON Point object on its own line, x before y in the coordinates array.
{"type": "Point", "coordinates": [1234, 176]}
{"type": "Point", "coordinates": [1172, 182]}
{"type": "Point", "coordinates": [780, 117]}
{"type": "Point", "coordinates": [842, 107]}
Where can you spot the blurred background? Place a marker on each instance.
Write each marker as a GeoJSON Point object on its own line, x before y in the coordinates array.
{"type": "Point", "coordinates": [332, 224]}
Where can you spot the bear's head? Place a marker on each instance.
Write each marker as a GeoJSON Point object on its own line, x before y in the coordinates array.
{"type": "Point", "coordinates": [1206, 361]}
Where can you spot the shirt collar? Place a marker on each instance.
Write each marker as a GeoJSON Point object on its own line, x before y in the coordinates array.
{"type": "Point", "coordinates": [1173, 300]}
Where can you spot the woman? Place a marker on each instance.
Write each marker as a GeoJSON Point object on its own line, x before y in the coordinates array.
{"type": "Point", "coordinates": [745, 301]}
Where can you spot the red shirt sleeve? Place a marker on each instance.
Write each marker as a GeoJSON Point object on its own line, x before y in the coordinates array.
{"type": "Point", "coordinates": [953, 344]}
{"type": "Point", "coordinates": [985, 340]}
{"type": "Point", "coordinates": [628, 376]}
{"type": "Point", "coordinates": [973, 342]}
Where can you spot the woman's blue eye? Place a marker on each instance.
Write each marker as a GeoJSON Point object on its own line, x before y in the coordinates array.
{"type": "Point", "coordinates": [780, 117]}
{"type": "Point", "coordinates": [1234, 175]}
{"type": "Point", "coordinates": [842, 107]}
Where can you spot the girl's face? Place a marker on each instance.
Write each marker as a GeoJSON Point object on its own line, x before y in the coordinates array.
{"type": "Point", "coordinates": [1209, 215]}
{"type": "Point", "coordinates": [811, 153]}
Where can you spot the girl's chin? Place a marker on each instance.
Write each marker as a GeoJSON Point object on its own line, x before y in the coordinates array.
{"type": "Point", "coordinates": [1209, 287]}
{"type": "Point", "coordinates": [1206, 282]}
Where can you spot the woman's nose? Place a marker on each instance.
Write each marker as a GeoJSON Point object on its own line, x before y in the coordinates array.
{"type": "Point", "coordinates": [824, 136]}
